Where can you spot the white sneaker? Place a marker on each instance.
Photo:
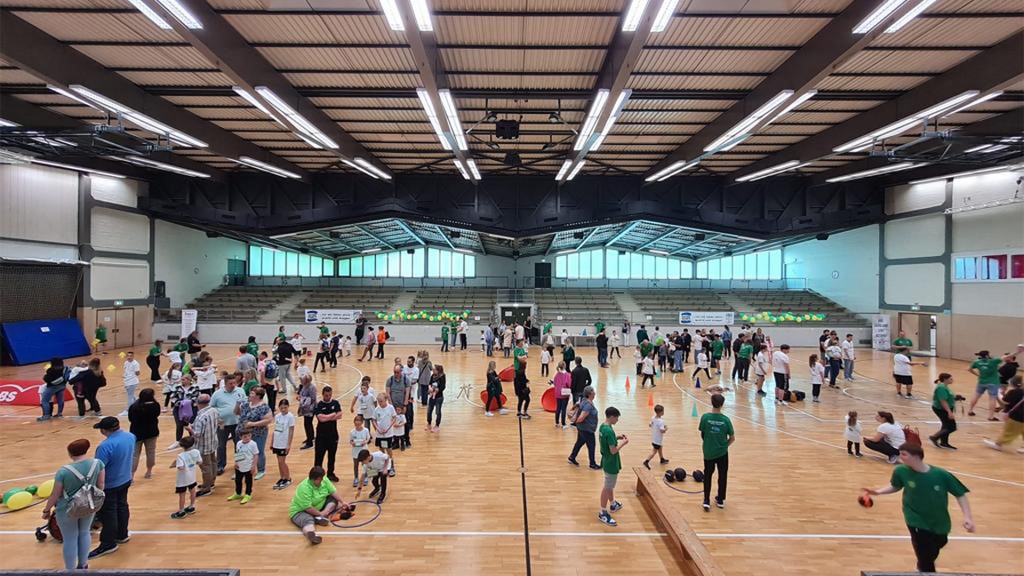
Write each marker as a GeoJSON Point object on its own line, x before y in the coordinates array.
{"type": "Point", "coordinates": [122, 413]}
{"type": "Point", "coordinates": [488, 413]}
{"type": "Point", "coordinates": [503, 412]}
{"type": "Point", "coordinates": [894, 459]}
{"type": "Point", "coordinates": [173, 446]}
{"type": "Point", "coordinates": [992, 444]}
{"type": "Point", "coordinates": [565, 426]}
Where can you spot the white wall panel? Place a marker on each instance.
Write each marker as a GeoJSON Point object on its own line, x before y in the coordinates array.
{"type": "Point", "coordinates": [16, 249]}
{"type": "Point", "coordinates": [907, 198]}
{"type": "Point", "coordinates": [119, 231]}
{"type": "Point", "coordinates": [123, 191]}
{"type": "Point", "coordinates": [190, 263]}
{"type": "Point", "coordinates": [989, 299]}
{"type": "Point", "coordinates": [119, 279]}
{"type": "Point", "coordinates": [909, 284]}
{"type": "Point", "coordinates": [39, 203]}
{"type": "Point", "coordinates": [991, 228]}
{"type": "Point", "coordinates": [843, 268]}
{"type": "Point", "coordinates": [915, 237]}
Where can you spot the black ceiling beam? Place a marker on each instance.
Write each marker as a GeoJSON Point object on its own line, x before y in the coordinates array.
{"type": "Point", "coordinates": [33, 50]}
{"type": "Point", "coordinates": [999, 67]}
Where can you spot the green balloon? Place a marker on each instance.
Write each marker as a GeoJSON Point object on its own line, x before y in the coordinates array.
{"type": "Point", "coordinates": [11, 492]}
{"type": "Point", "coordinates": [32, 489]}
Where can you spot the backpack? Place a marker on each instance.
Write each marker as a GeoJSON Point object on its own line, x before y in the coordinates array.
{"type": "Point", "coordinates": [270, 370]}
{"type": "Point", "coordinates": [88, 499]}
{"type": "Point", "coordinates": [912, 435]}
{"type": "Point", "coordinates": [185, 409]}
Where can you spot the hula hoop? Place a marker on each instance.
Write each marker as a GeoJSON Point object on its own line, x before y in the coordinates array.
{"type": "Point", "coordinates": [360, 525]}
{"type": "Point", "coordinates": [701, 491]}
{"type": "Point", "coordinates": [36, 503]}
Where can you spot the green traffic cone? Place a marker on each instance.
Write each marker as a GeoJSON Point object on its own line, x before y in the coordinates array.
{"type": "Point", "coordinates": [694, 413]}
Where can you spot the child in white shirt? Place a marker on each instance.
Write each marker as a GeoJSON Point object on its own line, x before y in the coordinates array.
{"type": "Point", "coordinates": [702, 364]}
{"type": "Point", "coordinates": [817, 375]}
{"type": "Point", "coordinates": [172, 379]}
{"type": "Point", "coordinates": [384, 420]}
{"type": "Point", "coordinates": [303, 370]}
{"type": "Point", "coordinates": [638, 360]}
{"type": "Point", "coordinates": [852, 433]}
{"type": "Point", "coordinates": [359, 440]}
{"type": "Point", "coordinates": [658, 429]}
{"type": "Point", "coordinates": [131, 379]}
{"type": "Point", "coordinates": [281, 443]}
{"type": "Point", "coordinates": [186, 463]}
{"type": "Point", "coordinates": [246, 453]}
{"type": "Point", "coordinates": [400, 421]}
{"type": "Point", "coordinates": [376, 466]}
{"type": "Point", "coordinates": [545, 361]}
{"type": "Point", "coordinates": [647, 370]}
{"type": "Point", "coordinates": [346, 346]}
{"type": "Point", "coordinates": [206, 377]}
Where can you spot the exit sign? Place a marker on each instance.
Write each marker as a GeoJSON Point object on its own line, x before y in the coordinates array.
{"type": "Point", "coordinates": [118, 302]}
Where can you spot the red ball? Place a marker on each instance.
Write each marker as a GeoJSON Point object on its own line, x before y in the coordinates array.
{"type": "Point", "coordinates": [865, 500]}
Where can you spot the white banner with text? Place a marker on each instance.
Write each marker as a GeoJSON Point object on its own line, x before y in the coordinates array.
{"type": "Point", "coordinates": [332, 316]}
{"type": "Point", "coordinates": [707, 318]}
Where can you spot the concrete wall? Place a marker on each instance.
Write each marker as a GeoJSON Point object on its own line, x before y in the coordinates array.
{"type": "Point", "coordinates": [190, 263]}
{"type": "Point", "coordinates": [843, 268]}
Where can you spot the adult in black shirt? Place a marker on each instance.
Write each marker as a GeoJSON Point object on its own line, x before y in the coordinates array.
{"type": "Point", "coordinates": [327, 413]}
{"type": "Point", "coordinates": [522, 388]}
{"type": "Point", "coordinates": [1008, 369]}
{"type": "Point", "coordinates": [823, 343]}
{"type": "Point", "coordinates": [194, 346]}
{"type": "Point", "coordinates": [1013, 405]}
{"type": "Point", "coordinates": [602, 349]}
{"type": "Point", "coordinates": [283, 353]}
{"type": "Point", "coordinates": [360, 329]}
{"type": "Point", "coordinates": [86, 384]}
{"type": "Point", "coordinates": [737, 343]}
{"type": "Point", "coordinates": [687, 343]}
{"type": "Point", "coordinates": [144, 416]}
{"type": "Point", "coordinates": [580, 380]}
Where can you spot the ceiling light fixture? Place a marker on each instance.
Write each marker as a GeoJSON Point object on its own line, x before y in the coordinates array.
{"type": "Point", "coordinates": [906, 18]}
{"type": "Point", "coordinates": [992, 170]}
{"type": "Point", "coordinates": [462, 169]}
{"type": "Point", "coordinates": [977, 148]}
{"type": "Point", "coordinates": [141, 120]}
{"type": "Point", "coordinates": [620, 103]}
{"type": "Point", "coordinates": [422, 15]}
{"type": "Point", "coordinates": [727, 140]}
{"type": "Point", "coordinates": [369, 166]}
{"type": "Point", "coordinates": [576, 170]}
{"type": "Point", "coordinates": [983, 205]}
{"type": "Point", "coordinates": [352, 164]}
{"type": "Point", "coordinates": [181, 14]}
{"type": "Point", "coordinates": [793, 104]}
{"type": "Point", "coordinates": [792, 164]}
{"type": "Point", "coordinates": [878, 15]}
{"type": "Point", "coordinates": [875, 172]}
{"type": "Point", "coordinates": [633, 15]}
{"type": "Point", "coordinates": [665, 13]}
{"type": "Point", "coordinates": [562, 171]}
{"type": "Point", "coordinates": [248, 97]}
{"type": "Point", "coordinates": [452, 113]}
{"type": "Point", "coordinates": [591, 122]}
{"type": "Point", "coordinates": [661, 252]}
{"type": "Point", "coordinates": [296, 120]}
{"type": "Point", "coordinates": [428, 107]}
{"type": "Point", "coordinates": [149, 13]}
{"type": "Point", "coordinates": [473, 169]}
{"type": "Point", "coordinates": [676, 168]}
{"type": "Point", "coordinates": [394, 17]}
{"type": "Point", "coordinates": [254, 163]}
{"type": "Point", "coordinates": [147, 163]}
{"type": "Point", "coordinates": [16, 157]}
{"type": "Point", "coordinates": [371, 251]}
{"type": "Point", "coordinates": [7, 123]}
{"type": "Point", "coordinates": [901, 126]}
{"type": "Point", "coordinates": [71, 95]}
{"type": "Point", "coordinates": [563, 252]}
{"type": "Point", "coordinates": [975, 102]}
{"type": "Point", "coordinates": [464, 250]}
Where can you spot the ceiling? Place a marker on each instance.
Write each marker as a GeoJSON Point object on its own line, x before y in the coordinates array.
{"type": "Point", "coordinates": [518, 59]}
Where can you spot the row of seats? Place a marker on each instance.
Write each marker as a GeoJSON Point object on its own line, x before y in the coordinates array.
{"type": "Point", "coordinates": [578, 306]}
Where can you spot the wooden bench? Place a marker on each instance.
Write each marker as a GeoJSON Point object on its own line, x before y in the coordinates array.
{"type": "Point", "coordinates": [695, 558]}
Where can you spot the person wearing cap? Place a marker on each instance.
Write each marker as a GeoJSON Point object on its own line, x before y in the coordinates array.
{"type": "Point", "coordinates": [204, 428]}
{"type": "Point", "coordinates": [116, 452]}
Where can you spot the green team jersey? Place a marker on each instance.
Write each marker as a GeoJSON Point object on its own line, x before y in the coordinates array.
{"type": "Point", "coordinates": [154, 351]}
{"type": "Point", "coordinates": [716, 348]}
{"type": "Point", "coordinates": [925, 497]}
{"type": "Point", "coordinates": [253, 348]}
{"type": "Point", "coordinates": [942, 392]}
{"type": "Point", "coordinates": [101, 334]}
{"type": "Point", "coordinates": [325, 330]}
{"type": "Point", "coordinates": [610, 463]}
{"type": "Point", "coordinates": [746, 351]}
{"type": "Point", "coordinates": [598, 327]}
{"type": "Point", "coordinates": [715, 429]}
{"type": "Point", "coordinates": [646, 349]}
{"type": "Point", "coordinates": [516, 353]}
{"type": "Point", "coordinates": [444, 331]}
{"type": "Point", "coordinates": [988, 370]}
{"type": "Point", "coordinates": [547, 327]}
{"type": "Point", "coordinates": [181, 347]}
{"type": "Point", "coordinates": [903, 343]}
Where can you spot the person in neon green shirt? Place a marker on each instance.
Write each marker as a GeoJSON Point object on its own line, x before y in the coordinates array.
{"type": "Point", "coordinates": [986, 368]}
{"type": "Point", "coordinates": [717, 435]}
{"type": "Point", "coordinates": [314, 501]}
{"type": "Point", "coordinates": [902, 341]}
{"type": "Point", "coordinates": [598, 327]}
{"type": "Point", "coordinates": [944, 406]}
{"type": "Point", "coordinates": [518, 353]}
{"type": "Point", "coordinates": [611, 463]}
{"type": "Point", "coordinates": [717, 349]}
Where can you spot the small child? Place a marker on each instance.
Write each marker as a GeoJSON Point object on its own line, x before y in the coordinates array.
{"type": "Point", "coordinates": [132, 369]}
{"type": "Point", "coordinates": [817, 375]}
{"type": "Point", "coordinates": [483, 342]}
{"type": "Point", "coordinates": [323, 353]}
{"type": "Point", "coordinates": [663, 357]}
{"type": "Point", "coordinates": [702, 364]}
{"type": "Point", "coordinates": [400, 421]}
{"type": "Point", "coordinates": [358, 439]}
{"type": "Point", "coordinates": [281, 444]}
{"type": "Point", "coordinates": [346, 346]}
{"type": "Point", "coordinates": [303, 370]}
{"type": "Point", "coordinates": [545, 361]}
{"type": "Point", "coordinates": [384, 419]}
{"type": "Point", "coordinates": [246, 453]}
{"type": "Point", "coordinates": [638, 360]}
{"type": "Point", "coordinates": [186, 463]}
{"type": "Point", "coordinates": [647, 369]}
{"type": "Point", "coordinates": [172, 379]}
{"type": "Point", "coordinates": [852, 434]}
{"type": "Point", "coordinates": [611, 463]}
{"type": "Point", "coordinates": [376, 465]}
{"type": "Point", "coordinates": [658, 429]}
{"type": "Point", "coordinates": [206, 377]}
{"type": "Point", "coordinates": [366, 399]}
{"type": "Point", "coordinates": [298, 342]}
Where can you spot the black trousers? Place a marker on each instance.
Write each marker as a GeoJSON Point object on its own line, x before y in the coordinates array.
{"type": "Point", "coordinates": [686, 355]}
{"type": "Point", "coordinates": [435, 404]}
{"type": "Point", "coordinates": [228, 432]}
{"type": "Point", "coordinates": [462, 341]}
{"type": "Point", "coordinates": [881, 446]}
{"type": "Point", "coordinates": [584, 437]}
{"type": "Point", "coordinates": [90, 395]}
{"type": "Point", "coordinates": [926, 547]}
{"type": "Point", "coordinates": [325, 445]}
{"type": "Point", "coordinates": [247, 476]}
{"type": "Point", "coordinates": [722, 463]}
{"type": "Point", "coordinates": [154, 367]}
{"type": "Point", "coordinates": [380, 481]}
{"type": "Point", "coordinates": [410, 420]}
{"type": "Point", "coordinates": [114, 515]}
{"type": "Point", "coordinates": [380, 351]}
{"type": "Point", "coordinates": [321, 359]}
{"type": "Point", "coordinates": [835, 366]}
{"type": "Point", "coordinates": [948, 426]}
{"type": "Point", "coordinates": [492, 400]}
{"type": "Point", "coordinates": [424, 393]}
{"type": "Point", "coordinates": [272, 394]}
{"type": "Point", "coordinates": [334, 357]}
{"type": "Point", "coordinates": [523, 404]}
{"type": "Point", "coordinates": [815, 390]}
{"type": "Point", "coordinates": [544, 369]}
{"type": "Point", "coordinates": [741, 368]}
{"type": "Point", "coordinates": [307, 423]}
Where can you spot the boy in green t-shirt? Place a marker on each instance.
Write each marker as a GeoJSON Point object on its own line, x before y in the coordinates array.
{"type": "Point", "coordinates": [717, 348]}
{"type": "Point", "coordinates": [717, 434]}
{"type": "Point", "coordinates": [611, 463]}
{"type": "Point", "coordinates": [101, 337]}
{"type": "Point", "coordinates": [518, 352]}
{"type": "Point", "coordinates": [986, 368]}
{"type": "Point", "coordinates": [444, 337]}
{"type": "Point", "coordinates": [925, 503]}
{"type": "Point", "coordinates": [902, 341]}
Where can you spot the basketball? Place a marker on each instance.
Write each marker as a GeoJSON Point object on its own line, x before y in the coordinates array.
{"type": "Point", "coordinates": [865, 500]}
{"type": "Point", "coordinates": [670, 476]}
{"type": "Point", "coordinates": [680, 474]}
{"type": "Point", "coordinates": [698, 476]}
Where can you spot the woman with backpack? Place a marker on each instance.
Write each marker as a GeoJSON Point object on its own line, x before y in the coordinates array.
{"type": "Point", "coordinates": [74, 518]}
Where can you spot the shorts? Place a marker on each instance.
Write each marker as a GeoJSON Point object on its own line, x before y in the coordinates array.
{"type": "Point", "coordinates": [903, 380]}
{"type": "Point", "coordinates": [279, 451]}
{"type": "Point", "coordinates": [610, 480]}
{"type": "Point", "coordinates": [656, 446]}
{"type": "Point", "coordinates": [183, 489]}
{"type": "Point", "coordinates": [368, 423]}
{"type": "Point", "coordinates": [383, 443]}
{"type": "Point", "coordinates": [991, 389]}
{"type": "Point", "coordinates": [781, 382]}
{"type": "Point", "coordinates": [303, 519]}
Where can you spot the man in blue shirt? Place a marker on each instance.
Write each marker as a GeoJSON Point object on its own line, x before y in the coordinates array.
{"type": "Point", "coordinates": [116, 453]}
{"type": "Point", "coordinates": [224, 402]}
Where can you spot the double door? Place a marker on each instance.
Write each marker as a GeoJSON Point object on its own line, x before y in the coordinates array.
{"type": "Point", "coordinates": [120, 324]}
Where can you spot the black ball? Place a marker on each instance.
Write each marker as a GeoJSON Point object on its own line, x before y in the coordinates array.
{"type": "Point", "coordinates": [698, 476]}
{"type": "Point", "coordinates": [680, 474]}
{"type": "Point", "coordinates": [670, 476]}
{"type": "Point", "coordinates": [40, 535]}
{"type": "Point", "coordinates": [345, 514]}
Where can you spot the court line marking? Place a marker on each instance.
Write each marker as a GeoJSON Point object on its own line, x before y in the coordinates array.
{"type": "Point", "coordinates": [738, 417]}
{"type": "Point", "coordinates": [726, 535]}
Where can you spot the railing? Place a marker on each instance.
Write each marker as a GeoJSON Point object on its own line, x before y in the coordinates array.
{"type": "Point", "coordinates": [331, 281]}
{"type": "Point", "coordinates": [516, 295]}
{"type": "Point", "coordinates": [690, 284]}
{"type": "Point", "coordinates": [525, 283]}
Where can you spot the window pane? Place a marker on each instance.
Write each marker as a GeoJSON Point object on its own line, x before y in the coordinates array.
{"type": "Point", "coordinates": [560, 267]}
{"type": "Point", "coordinates": [394, 267]}
{"type": "Point", "coordinates": [255, 261]}
{"type": "Point", "coordinates": [433, 263]}
{"type": "Point", "coordinates": [673, 269]}
{"type": "Point", "coordinates": [328, 267]}
{"type": "Point", "coordinates": [661, 268]}
{"type": "Point", "coordinates": [762, 266]}
{"type": "Point", "coordinates": [345, 267]}
{"type": "Point", "coordinates": [316, 266]}
{"type": "Point", "coordinates": [585, 265]}
{"type": "Point", "coordinates": [726, 268]}
{"type": "Point", "coordinates": [406, 265]}
{"type": "Point", "coordinates": [750, 266]}
{"type": "Point", "coordinates": [357, 267]}
{"type": "Point", "coordinates": [959, 263]}
{"type": "Point", "coordinates": [573, 265]}
{"type": "Point", "coordinates": [970, 268]}
{"type": "Point", "coordinates": [470, 267]}
{"type": "Point", "coordinates": [417, 262]}
{"type": "Point", "coordinates": [702, 269]}
{"type": "Point", "coordinates": [446, 264]}
{"type": "Point", "coordinates": [1017, 266]}
{"type": "Point", "coordinates": [775, 265]}
{"type": "Point", "coordinates": [597, 263]}
{"type": "Point", "coordinates": [269, 258]}
{"type": "Point", "coordinates": [613, 263]}
{"type": "Point", "coordinates": [369, 266]}
{"type": "Point", "coordinates": [648, 266]}
{"type": "Point", "coordinates": [624, 265]}
{"type": "Point", "coordinates": [291, 264]}
{"type": "Point", "coordinates": [382, 265]}
{"type": "Point", "coordinates": [458, 264]}
{"type": "Point", "coordinates": [685, 269]}
{"type": "Point", "coordinates": [737, 267]}
{"type": "Point", "coordinates": [636, 266]}
{"type": "Point", "coordinates": [714, 269]}
{"type": "Point", "coordinates": [303, 265]}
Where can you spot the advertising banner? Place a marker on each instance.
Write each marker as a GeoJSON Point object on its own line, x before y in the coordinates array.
{"type": "Point", "coordinates": [332, 316]}
{"type": "Point", "coordinates": [188, 321]}
{"type": "Point", "coordinates": [707, 318]}
{"type": "Point", "coordinates": [880, 334]}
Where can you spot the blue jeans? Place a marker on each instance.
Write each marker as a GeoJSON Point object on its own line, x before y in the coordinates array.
{"type": "Point", "coordinates": [561, 409]}
{"type": "Point", "coordinates": [677, 357]}
{"type": "Point", "coordinates": [490, 348]}
{"type": "Point", "coordinates": [47, 394]}
{"type": "Point", "coordinates": [833, 370]}
{"type": "Point", "coordinates": [848, 369]}
{"type": "Point", "coordinates": [76, 539]}
{"type": "Point", "coordinates": [261, 443]}
{"type": "Point", "coordinates": [602, 356]}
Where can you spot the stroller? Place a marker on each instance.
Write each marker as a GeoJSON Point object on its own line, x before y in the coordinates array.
{"type": "Point", "coordinates": [52, 528]}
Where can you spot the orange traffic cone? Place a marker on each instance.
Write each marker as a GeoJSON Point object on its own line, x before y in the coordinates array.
{"type": "Point", "coordinates": [627, 383]}
{"type": "Point", "coordinates": [650, 401]}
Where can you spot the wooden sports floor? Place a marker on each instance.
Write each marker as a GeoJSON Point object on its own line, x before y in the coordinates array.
{"type": "Point", "coordinates": [456, 505]}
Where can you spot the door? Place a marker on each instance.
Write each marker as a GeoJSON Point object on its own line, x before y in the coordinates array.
{"type": "Point", "coordinates": [124, 327]}
{"type": "Point", "coordinates": [542, 275]}
{"type": "Point", "coordinates": [512, 314]}
{"type": "Point", "coordinates": [106, 317]}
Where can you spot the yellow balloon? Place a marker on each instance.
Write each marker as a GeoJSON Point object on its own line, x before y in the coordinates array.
{"type": "Point", "coordinates": [46, 366]}
{"type": "Point", "coordinates": [121, 355]}
{"type": "Point", "coordinates": [45, 489]}
{"type": "Point", "coordinates": [111, 368]}
{"type": "Point", "coordinates": [19, 500]}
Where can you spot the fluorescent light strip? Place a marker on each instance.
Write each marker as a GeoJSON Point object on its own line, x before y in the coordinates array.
{"type": "Point", "coordinates": [181, 14]}
{"type": "Point", "coordinates": [394, 17]}
{"type": "Point", "coordinates": [149, 13]}
{"type": "Point", "coordinates": [428, 107]}
{"type": "Point", "coordinates": [661, 252]}
{"type": "Point", "coordinates": [473, 169]}
{"type": "Point", "coordinates": [620, 103]}
{"type": "Point", "coordinates": [991, 170]}
{"type": "Point", "coordinates": [300, 123]}
{"type": "Point", "coordinates": [897, 128]}
{"type": "Point", "coordinates": [996, 148]}
{"type": "Point", "coordinates": [141, 120]}
{"type": "Point", "coordinates": [101, 100]}
{"type": "Point", "coordinates": [591, 122]}
{"type": "Point", "coordinates": [978, 148]}
{"type": "Point", "coordinates": [69, 94]}
{"type": "Point", "coordinates": [360, 168]}
{"type": "Point", "coordinates": [248, 97]}
{"type": "Point", "coordinates": [462, 169]}
{"type": "Point", "coordinates": [7, 154]}
{"type": "Point", "coordinates": [685, 167]}
{"type": "Point", "coordinates": [563, 170]}
{"type": "Point", "coordinates": [975, 102]}
{"type": "Point", "coordinates": [633, 15]}
{"type": "Point", "coordinates": [984, 205]}
{"type": "Point", "coordinates": [875, 172]}
{"type": "Point", "coordinates": [906, 18]}
{"type": "Point", "coordinates": [7, 123]}
{"type": "Point", "coordinates": [422, 15]}
{"type": "Point", "coordinates": [370, 251]}
{"type": "Point", "coordinates": [665, 13]}
{"type": "Point", "coordinates": [563, 252]}
{"type": "Point", "coordinates": [452, 113]}
{"type": "Point", "coordinates": [254, 163]}
{"type": "Point", "coordinates": [875, 18]}
{"type": "Point", "coordinates": [366, 164]}
{"type": "Point", "coordinates": [576, 170]}
{"type": "Point", "coordinates": [464, 250]}
{"type": "Point", "coordinates": [793, 104]}
{"type": "Point", "coordinates": [769, 171]}
{"type": "Point", "coordinates": [657, 175]}
{"type": "Point", "coordinates": [312, 143]}
{"type": "Point", "coordinates": [147, 163]}
{"type": "Point", "coordinates": [749, 121]}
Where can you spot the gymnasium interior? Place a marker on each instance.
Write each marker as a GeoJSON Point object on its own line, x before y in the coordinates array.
{"type": "Point", "coordinates": [239, 169]}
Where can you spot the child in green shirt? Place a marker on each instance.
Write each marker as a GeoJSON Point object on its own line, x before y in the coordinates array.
{"type": "Point", "coordinates": [611, 463]}
{"type": "Point", "coordinates": [717, 434]}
